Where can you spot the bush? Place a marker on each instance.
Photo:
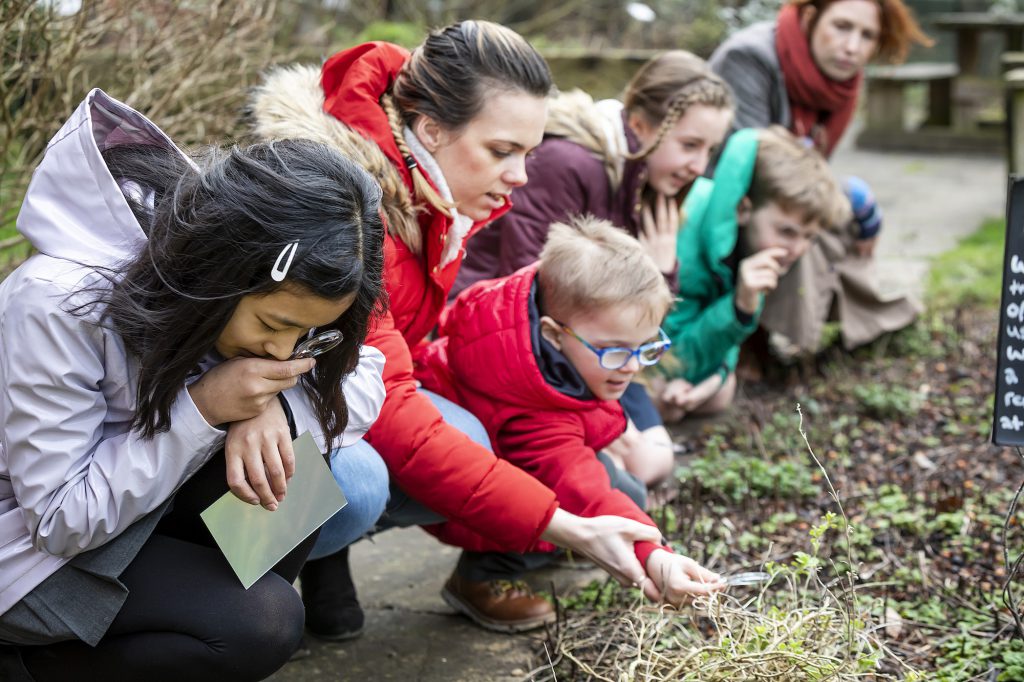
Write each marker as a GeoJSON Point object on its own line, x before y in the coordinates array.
{"type": "Point", "coordinates": [184, 65]}
{"type": "Point", "coordinates": [401, 33]}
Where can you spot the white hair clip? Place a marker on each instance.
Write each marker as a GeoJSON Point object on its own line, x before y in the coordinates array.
{"type": "Point", "coordinates": [278, 273]}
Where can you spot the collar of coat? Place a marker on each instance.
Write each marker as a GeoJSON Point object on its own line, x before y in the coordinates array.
{"type": "Point", "coordinates": [710, 207]}
{"type": "Point", "coordinates": [599, 128]}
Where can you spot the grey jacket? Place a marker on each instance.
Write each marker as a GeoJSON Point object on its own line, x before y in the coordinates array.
{"type": "Point", "coordinates": [747, 61]}
{"type": "Point", "coordinates": [73, 475]}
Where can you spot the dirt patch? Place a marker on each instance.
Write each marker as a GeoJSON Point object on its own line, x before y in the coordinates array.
{"type": "Point", "coordinates": [902, 430]}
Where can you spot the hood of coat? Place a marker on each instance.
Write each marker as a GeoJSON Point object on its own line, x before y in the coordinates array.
{"type": "Point", "coordinates": [710, 207]}
{"type": "Point", "coordinates": [290, 103]}
{"type": "Point", "coordinates": [72, 189]}
{"type": "Point", "coordinates": [598, 127]}
{"type": "Point", "coordinates": [490, 337]}
{"type": "Point", "coordinates": [339, 105]}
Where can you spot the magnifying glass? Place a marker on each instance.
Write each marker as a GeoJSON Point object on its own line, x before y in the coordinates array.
{"type": "Point", "coordinates": [317, 345]}
{"type": "Point", "coordinates": [749, 578]}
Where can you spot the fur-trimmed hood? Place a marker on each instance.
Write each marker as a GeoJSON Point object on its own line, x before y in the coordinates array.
{"type": "Point", "coordinates": [290, 104]}
{"type": "Point", "coordinates": [598, 127]}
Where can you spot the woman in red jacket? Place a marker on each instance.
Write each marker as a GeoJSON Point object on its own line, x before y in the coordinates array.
{"type": "Point", "coordinates": [445, 130]}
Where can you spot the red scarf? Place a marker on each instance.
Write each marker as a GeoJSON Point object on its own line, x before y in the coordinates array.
{"type": "Point", "coordinates": [821, 107]}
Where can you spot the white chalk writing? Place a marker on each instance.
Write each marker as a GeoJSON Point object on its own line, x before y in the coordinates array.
{"type": "Point", "coordinates": [1013, 423]}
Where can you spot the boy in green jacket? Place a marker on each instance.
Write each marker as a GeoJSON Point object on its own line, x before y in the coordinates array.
{"type": "Point", "coordinates": [743, 230]}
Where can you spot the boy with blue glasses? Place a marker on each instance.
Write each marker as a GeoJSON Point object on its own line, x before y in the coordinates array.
{"type": "Point", "coordinates": [542, 358]}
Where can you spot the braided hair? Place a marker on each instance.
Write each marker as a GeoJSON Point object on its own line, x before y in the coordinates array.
{"type": "Point", "coordinates": [665, 88]}
{"type": "Point", "coordinates": [448, 78]}
{"type": "Point", "coordinates": [421, 186]}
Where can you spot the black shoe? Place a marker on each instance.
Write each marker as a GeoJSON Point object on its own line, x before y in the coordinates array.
{"type": "Point", "coordinates": [332, 610]}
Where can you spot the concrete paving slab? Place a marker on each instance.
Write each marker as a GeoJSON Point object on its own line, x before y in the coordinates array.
{"type": "Point", "coordinates": [406, 646]}
{"type": "Point", "coordinates": [928, 204]}
{"type": "Point", "coordinates": [411, 634]}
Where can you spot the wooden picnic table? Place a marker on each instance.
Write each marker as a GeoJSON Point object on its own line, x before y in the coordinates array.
{"type": "Point", "coordinates": [968, 27]}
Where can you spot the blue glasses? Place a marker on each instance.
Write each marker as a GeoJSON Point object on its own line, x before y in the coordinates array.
{"type": "Point", "coordinates": [616, 358]}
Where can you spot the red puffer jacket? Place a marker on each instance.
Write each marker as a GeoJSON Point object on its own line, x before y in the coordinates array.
{"type": "Point", "coordinates": [485, 363]}
{"type": "Point", "coordinates": [433, 462]}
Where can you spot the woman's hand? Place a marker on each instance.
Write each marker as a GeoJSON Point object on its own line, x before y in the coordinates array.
{"type": "Point", "coordinates": [242, 388]}
{"type": "Point", "coordinates": [674, 578]}
{"type": "Point", "coordinates": [605, 540]}
{"type": "Point", "coordinates": [660, 229]}
{"type": "Point", "coordinates": [259, 457]}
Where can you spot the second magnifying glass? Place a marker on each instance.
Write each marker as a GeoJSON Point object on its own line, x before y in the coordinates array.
{"type": "Point", "coordinates": [749, 578]}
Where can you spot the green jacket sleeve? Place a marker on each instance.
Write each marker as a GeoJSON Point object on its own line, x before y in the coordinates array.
{"type": "Point", "coordinates": [706, 336]}
{"type": "Point", "coordinates": [703, 325]}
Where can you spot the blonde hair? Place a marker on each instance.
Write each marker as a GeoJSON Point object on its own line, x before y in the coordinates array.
{"type": "Point", "coordinates": [797, 178]}
{"type": "Point", "coordinates": [448, 79]}
{"type": "Point", "coordinates": [667, 86]}
{"type": "Point", "coordinates": [588, 264]}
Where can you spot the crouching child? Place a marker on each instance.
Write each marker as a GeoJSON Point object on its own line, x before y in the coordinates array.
{"type": "Point", "coordinates": [744, 229]}
{"type": "Point", "coordinates": [542, 357]}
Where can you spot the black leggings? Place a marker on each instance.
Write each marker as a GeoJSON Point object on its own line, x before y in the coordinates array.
{"type": "Point", "coordinates": [187, 616]}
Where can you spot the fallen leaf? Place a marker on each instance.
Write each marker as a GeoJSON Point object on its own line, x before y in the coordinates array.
{"type": "Point", "coordinates": [921, 460]}
{"type": "Point", "coordinates": [893, 623]}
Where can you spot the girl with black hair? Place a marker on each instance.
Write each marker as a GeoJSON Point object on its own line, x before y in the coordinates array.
{"type": "Point", "coordinates": [141, 351]}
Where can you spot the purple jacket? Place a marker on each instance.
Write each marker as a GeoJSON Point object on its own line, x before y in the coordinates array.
{"type": "Point", "coordinates": [565, 179]}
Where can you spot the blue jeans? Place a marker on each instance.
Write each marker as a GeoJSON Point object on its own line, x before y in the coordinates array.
{"type": "Point", "coordinates": [363, 477]}
{"type": "Point", "coordinates": [403, 511]}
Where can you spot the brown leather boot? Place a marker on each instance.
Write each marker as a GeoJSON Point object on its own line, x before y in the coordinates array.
{"type": "Point", "coordinates": [498, 605]}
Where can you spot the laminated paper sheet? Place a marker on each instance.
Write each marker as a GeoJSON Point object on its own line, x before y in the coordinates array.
{"type": "Point", "coordinates": [254, 539]}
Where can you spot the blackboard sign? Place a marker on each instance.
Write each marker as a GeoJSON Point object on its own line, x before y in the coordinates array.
{"type": "Point", "coordinates": [1008, 428]}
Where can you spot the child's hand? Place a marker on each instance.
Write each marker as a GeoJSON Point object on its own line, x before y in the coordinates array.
{"type": "Point", "coordinates": [674, 578]}
{"type": "Point", "coordinates": [866, 247]}
{"type": "Point", "coordinates": [259, 457]}
{"type": "Point", "coordinates": [624, 448]}
{"type": "Point", "coordinates": [671, 398]}
{"type": "Point", "coordinates": [689, 397]}
{"type": "Point", "coordinates": [645, 454]}
{"type": "Point", "coordinates": [659, 232]}
{"type": "Point", "coordinates": [241, 388]}
{"type": "Point", "coordinates": [758, 274]}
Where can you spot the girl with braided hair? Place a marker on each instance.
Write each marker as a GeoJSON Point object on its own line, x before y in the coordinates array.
{"type": "Point", "coordinates": [632, 163]}
{"type": "Point", "coordinates": [445, 130]}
